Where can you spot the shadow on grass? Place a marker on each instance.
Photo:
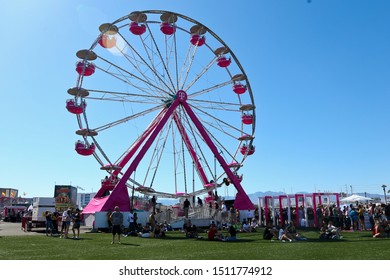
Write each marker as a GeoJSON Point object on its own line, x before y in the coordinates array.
{"type": "Point", "coordinates": [127, 244]}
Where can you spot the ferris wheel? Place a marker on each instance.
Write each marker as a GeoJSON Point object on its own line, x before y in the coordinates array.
{"type": "Point", "coordinates": [164, 106]}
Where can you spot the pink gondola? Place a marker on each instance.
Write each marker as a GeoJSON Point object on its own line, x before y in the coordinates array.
{"type": "Point", "coordinates": [223, 62]}
{"type": "Point", "coordinates": [198, 40]}
{"type": "Point", "coordinates": [167, 28]}
{"type": "Point", "coordinates": [75, 108]}
{"type": "Point", "coordinates": [239, 88]}
{"type": "Point", "coordinates": [107, 42]}
{"type": "Point", "coordinates": [85, 67]}
{"type": "Point", "coordinates": [137, 28]}
{"type": "Point", "coordinates": [247, 119]}
{"type": "Point", "coordinates": [244, 150]}
{"type": "Point", "coordinates": [83, 149]}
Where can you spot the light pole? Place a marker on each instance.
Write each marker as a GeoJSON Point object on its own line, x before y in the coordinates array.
{"type": "Point", "coordinates": [384, 192]}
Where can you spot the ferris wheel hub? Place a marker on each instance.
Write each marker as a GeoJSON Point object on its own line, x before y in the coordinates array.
{"type": "Point", "coordinates": [181, 95]}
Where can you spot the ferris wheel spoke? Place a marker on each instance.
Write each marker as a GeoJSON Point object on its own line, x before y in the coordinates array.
{"type": "Point", "coordinates": [123, 97]}
{"type": "Point", "coordinates": [126, 119]}
{"type": "Point", "coordinates": [164, 63]}
{"type": "Point", "coordinates": [199, 75]}
{"type": "Point", "coordinates": [218, 120]}
{"type": "Point", "coordinates": [121, 70]}
{"type": "Point", "coordinates": [185, 71]}
{"type": "Point", "coordinates": [150, 66]}
{"type": "Point", "coordinates": [216, 105]}
{"type": "Point", "coordinates": [206, 90]}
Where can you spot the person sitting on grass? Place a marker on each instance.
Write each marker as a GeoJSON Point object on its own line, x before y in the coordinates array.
{"type": "Point", "coordinates": [213, 234]}
{"type": "Point", "coordinates": [270, 232]}
{"type": "Point", "coordinates": [191, 230]}
{"type": "Point", "coordinates": [329, 231]}
{"type": "Point", "coordinates": [292, 233]}
{"type": "Point", "coordinates": [378, 230]}
{"type": "Point", "coordinates": [245, 227]}
{"type": "Point", "coordinates": [145, 231]}
{"type": "Point", "coordinates": [158, 231]}
{"type": "Point", "coordinates": [232, 234]}
{"type": "Point", "coordinates": [283, 236]}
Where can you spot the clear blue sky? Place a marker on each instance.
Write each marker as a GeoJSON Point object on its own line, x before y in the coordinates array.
{"type": "Point", "coordinates": [319, 73]}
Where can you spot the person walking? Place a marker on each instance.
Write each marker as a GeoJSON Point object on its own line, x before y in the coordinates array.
{"type": "Point", "coordinates": [116, 219]}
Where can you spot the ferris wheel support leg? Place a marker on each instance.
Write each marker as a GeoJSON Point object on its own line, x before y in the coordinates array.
{"type": "Point", "coordinates": [146, 146]}
{"type": "Point", "coordinates": [191, 149]}
{"type": "Point", "coordinates": [242, 201]}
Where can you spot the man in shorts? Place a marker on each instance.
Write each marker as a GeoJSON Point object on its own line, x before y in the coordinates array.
{"type": "Point", "coordinates": [117, 221]}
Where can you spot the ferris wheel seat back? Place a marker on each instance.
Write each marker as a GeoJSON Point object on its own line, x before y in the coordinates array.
{"type": "Point", "coordinates": [137, 29]}
{"type": "Point", "coordinates": [84, 149]}
{"type": "Point", "coordinates": [198, 40]}
{"type": "Point", "coordinates": [85, 68]}
{"type": "Point", "coordinates": [239, 88]}
{"type": "Point", "coordinates": [107, 42]}
{"type": "Point", "coordinates": [223, 61]}
{"type": "Point", "coordinates": [75, 108]}
{"type": "Point", "coordinates": [247, 119]}
{"type": "Point", "coordinates": [167, 28]}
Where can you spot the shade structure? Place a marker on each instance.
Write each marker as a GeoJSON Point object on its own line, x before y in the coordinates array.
{"type": "Point", "coordinates": [355, 198]}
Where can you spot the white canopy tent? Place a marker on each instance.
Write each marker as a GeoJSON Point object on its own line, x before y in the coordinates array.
{"type": "Point", "coordinates": [355, 198]}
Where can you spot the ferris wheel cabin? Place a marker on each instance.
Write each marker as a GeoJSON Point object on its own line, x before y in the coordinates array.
{"type": "Point", "coordinates": [137, 28]}
{"type": "Point", "coordinates": [85, 68]}
{"type": "Point", "coordinates": [84, 149]}
{"type": "Point", "coordinates": [107, 41]}
{"type": "Point", "coordinates": [74, 108]}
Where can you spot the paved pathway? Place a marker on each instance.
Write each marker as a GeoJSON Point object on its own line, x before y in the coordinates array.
{"type": "Point", "coordinates": [15, 229]}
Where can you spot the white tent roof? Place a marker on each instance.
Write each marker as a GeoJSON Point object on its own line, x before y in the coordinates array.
{"type": "Point", "coordinates": [354, 198]}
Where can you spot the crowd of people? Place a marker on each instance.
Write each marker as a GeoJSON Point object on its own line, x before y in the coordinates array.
{"type": "Point", "coordinates": [227, 222]}
{"type": "Point", "coordinates": [69, 217]}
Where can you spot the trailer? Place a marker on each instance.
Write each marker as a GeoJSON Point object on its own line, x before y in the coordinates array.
{"type": "Point", "coordinates": [38, 218]}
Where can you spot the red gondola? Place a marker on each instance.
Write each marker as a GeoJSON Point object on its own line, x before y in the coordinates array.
{"type": "Point", "coordinates": [223, 62]}
{"type": "Point", "coordinates": [239, 88]}
{"type": "Point", "coordinates": [85, 67]}
{"type": "Point", "coordinates": [244, 150]}
{"type": "Point", "coordinates": [75, 108]}
{"type": "Point", "coordinates": [197, 40]}
{"type": "Point", "coordinates": [137, 28]}
{"type": "Point", "coordinates": [247, 119]}
{"type": "Point", "coordinates": [167, 28]}
{"type": "Point", "coordinates": [84, 149]}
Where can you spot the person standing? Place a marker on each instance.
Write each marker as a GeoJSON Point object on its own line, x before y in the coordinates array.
{"type": "Point", "coordinates": [130, 219]}
{"type": "Point", "coordinates": [200, 202]}
{"type": "Point", "coordinates": [154, 202]}
{"type": "Point", "coordinates": [249, 216]}
{"type": "Point", "coordinates": [224, 212]}
{"type": "Point", "coordinates": [76, 218]}
{"type": "Point", "coordinates": [49, 223]}
{"type": "Point", "coordinates": [116, 219]}
{"type": "Point", "coordinates": [186, 207]}
{"type": "Point", "coordinates": [65, 222]}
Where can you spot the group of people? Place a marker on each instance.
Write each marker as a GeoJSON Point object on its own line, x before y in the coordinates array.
{"type": "Point", "coordinates": [68, 217]}
{"type": "Point", "coordinates": [288, 233]}
{"type": "Point", "coordinates": [213, 234]}
{"type": "Point", "coordinates": [151, 229]}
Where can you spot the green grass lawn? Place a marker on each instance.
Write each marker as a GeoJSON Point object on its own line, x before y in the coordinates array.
{"type": "Point", "coordinates": [249, 246]}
